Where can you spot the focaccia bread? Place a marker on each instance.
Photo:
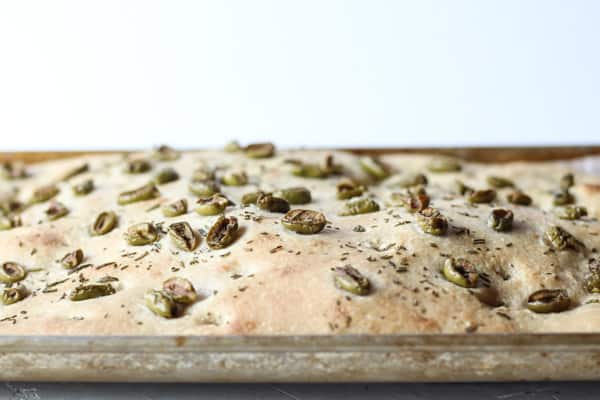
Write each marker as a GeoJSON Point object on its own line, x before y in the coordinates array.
{"type": "Point", "coordinates": [397, 244]}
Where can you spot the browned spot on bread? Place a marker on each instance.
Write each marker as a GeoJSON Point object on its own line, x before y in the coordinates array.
{"type": "Point", "coordinates": [592, 188]}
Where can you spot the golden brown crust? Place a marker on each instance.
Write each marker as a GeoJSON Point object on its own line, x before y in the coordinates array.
{"type": "Point", "coordinates": [273, 281]}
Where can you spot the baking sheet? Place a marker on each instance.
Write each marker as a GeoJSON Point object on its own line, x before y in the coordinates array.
{"type": "Point", "coordinates": [465, 357]}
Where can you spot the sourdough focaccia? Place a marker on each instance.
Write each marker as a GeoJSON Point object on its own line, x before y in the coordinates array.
{"type": "Point", "coordinates": [255, 241]}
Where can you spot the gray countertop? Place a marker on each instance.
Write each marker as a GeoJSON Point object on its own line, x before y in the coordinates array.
{"type": "Point", "coordinates": [416, 391]}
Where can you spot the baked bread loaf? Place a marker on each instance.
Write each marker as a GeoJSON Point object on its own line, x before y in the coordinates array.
{"type": "Point", "coordinates": [257, 241]}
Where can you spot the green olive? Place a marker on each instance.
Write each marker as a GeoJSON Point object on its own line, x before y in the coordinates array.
{"type": "Point", "coordinates": [460, 272]}
{"type": "Point", "coordinates": [305, 222]}
{"type": "Point", "coordinates": [413, 202]}
{"type": "Point", "coordinates": [13, 170]}
{"type": "Point", "coordinates": [203, 173]}
{"type": "Point", "coordinates": [260, 150]}
{"type": "Point", "coordinates": [180, 290]}
{"type": "Point", "coordinates": [72, 259]}
{"type": "Point", "coordinates": [232, 147]}
{"type": "Point", "coordinates": [295, 195]}
{"type": "Point", "coordinates": [501, 219]}
{"type": "Point", "coordinates": [373, 167]}
{"type": "Point", "coordinates": [563, 198]}
{"type": "Point", "coordinates": [203, 188]}
{"type": "Point", "coordinates": [175, 209]}
{"type": "Point", "coordinates": [567, 181]}
{"type": "Point", "coordinates": [141, 234]}
{"type": "Point", "coordinates": [213, 205]}
{"type": "Point", "coordinates": [11, 272]}
{"type": "Point", "coordinates": [519, 198]}
{"type": "Point", "coordinates": [160, 303]}
{"type": "Point", "coordinates": [251, 198]}
{"type": "Point", "coordinates": [482, 196]}
{"type": "Point", "coordinates": [43, 194]}
{"type": "Point", "coordinates": [91, 291]}
{"type": "Point", "coordinates": [571, 212]}
{"type": "Point", "coordinates": [499, 182]}
{"type": "Point", "coordinates": [80, 169]}
{"type": "Point", "coordinates": [10, 222]}
{"type": "Point", "coordinates": [432, 222]}
{"type": "Point", "coordinates": [359, 205]}
{"type": "Point", "coordinates": [166, 175]}
{"type": "Point", "coordinates": [105, 222]}
{"type": "Point", "coordinates": [307, 170]}
{"type": "Point", "coordinates": [223, 233]}
{"type": "Point", "coordinates": [138, 166]}
{"type": "Point", "coordinates": [444, 164]}
{"type": "Point", "coordinates": [351, 280]}
{"type": "Point", "coordinates": [165, 153]}
{"type": "Point", "coordinates": [592, 282]}
{"type": "Point", "coordinates": [461, 188]}
{"type": "Point", "coordinates": [183, 236]}
{"type": "Point", "coordinates": [14, 294]}
{"type": "Point", "coordinates": [147, 192]}
{"type": "Point", "coordinates": [83, 188]}
{"type": "Point", "coordinates": [56, 210]}
{"type": "Point", "coordinates": [559, 239]}
{"type": "Point", "coordinates": [412, 180]}
{"type": "Point", "coordinates": [235, 179]}
{"type": "Point", "coordinates": [271, 203]}
{"type": "Point", "coordinates": [9, 207]}
{"type": "Point", "coordinates": [347, 189]}
{"type": "Point", "coordinates": [549, 301]}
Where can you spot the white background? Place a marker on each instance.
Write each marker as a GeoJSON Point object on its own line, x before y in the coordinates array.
{"type": "Point", "coordinates": [123, 74]}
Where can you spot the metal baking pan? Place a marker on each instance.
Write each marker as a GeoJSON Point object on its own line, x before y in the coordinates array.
{"type": "Point", "coordinates": [439, 357]}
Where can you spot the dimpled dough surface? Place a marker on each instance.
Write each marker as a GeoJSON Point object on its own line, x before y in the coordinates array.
{"type": "Point", "coordinates": [274, 281]}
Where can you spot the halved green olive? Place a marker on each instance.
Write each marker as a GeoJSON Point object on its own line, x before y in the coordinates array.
{"type": "Point", "coordinates": [223, 233]}
{"type": "Point", "coordinates": [141, 234]}
{"type": "Point", "coordinates": [10, 222]}
{"type": "Point", "coordinates": [482, 196]}
{"type": "Point", "coordinates": [166, 175]}
{"type": "Point", "coordinates": [43, 194]}
{"type": "Point", "coordinates": [251, 198]}
{"type": "Point", "coordinates": [571, 212]}
{"type": "Point", "coordinates": [203, 188]}
{"type": "Point", "coordinates": [271, 203]}
{"type": "Point", "coordinates": [104, 223]}
{"type": "Point", "coordinates": [91, 291]}
{"type": "Point", "coordinates": [213, 205]}
{"type": "Point", "coordinates": [461, 188]}
{"type": "Point", "coordinates": [444, 164]}
{"type": "Point", "coordinates": [11, 272]}
{"type": "Point", "coordinates": [373, 167]}
{"type": "Point", "coordinates": [592, 282]}
{"type": "Point", "coordinates": [138, 166]}
{"type": "Point", "coordinates": [347, 188]}
{"type": "Point", "coordinates": [175, 209]}
{"type": "Point", "coordinates": [308, 170]}
{"type": "Point", "coordinates": [432, 222]}
{"type": "Point", "coordinates": [72, 259]}
{"type": "Point", "coordinates": [563, 198]}
{"type": "Point", "coordinates": [359, 205]}
{"type": "Point", "coordinates": [501, 219]}
{"type": "Point", "coordinates": [235, 179]}
{"type": "Point", "coordinates": [499, 182]}
{"type": "Point", "coordinates": [10, 206]}
{"type": "Point", "coordinates": [83, 188]}
{"type": "Point", "coordinates": [80, 169]}
{"type": "Point", "coordinates": [306, 222]}
{"type": "Point", "coordinates": [460, 272]}
{"type": "Point", "coordinates": [518, 197]}
{"type": "Point", "coordinates": [232, 147]}
{"type": "Point", "coordinates": [14, 294]}
{"type": "Point", "coordinates": [13, 170]}
{"type": "Point", "coordinates": [295, 195]}
{"type": "Point", "coordinates": [165, 153]}
{"type": "Point", "coordinates": [351, 280]}
{"type": "Point", "coordinates": [411, 180]}
{"type": "Point", "coordinates": [180, 290]}
{"type": "Point", "coordinates": [160, 303]}
{"type": "Point", "coordinates": [203, 173]}
{"type": "Point", "coordinates": [549, 301]}
{"type": "Point", "coordinates": [56, 210]}
{"type": "Point", "coordinates": [183, 236]}
{"type": "Point", "coordinates": [559, 239]}
{"type": "Point", "coordinates": [567, 181]}
{"type": "Point", "coordinates": [413, 202]}
{"type": "Point", "coordinates": [260, 150]}
{"type": "Point", "coordinates": [147, 192]}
